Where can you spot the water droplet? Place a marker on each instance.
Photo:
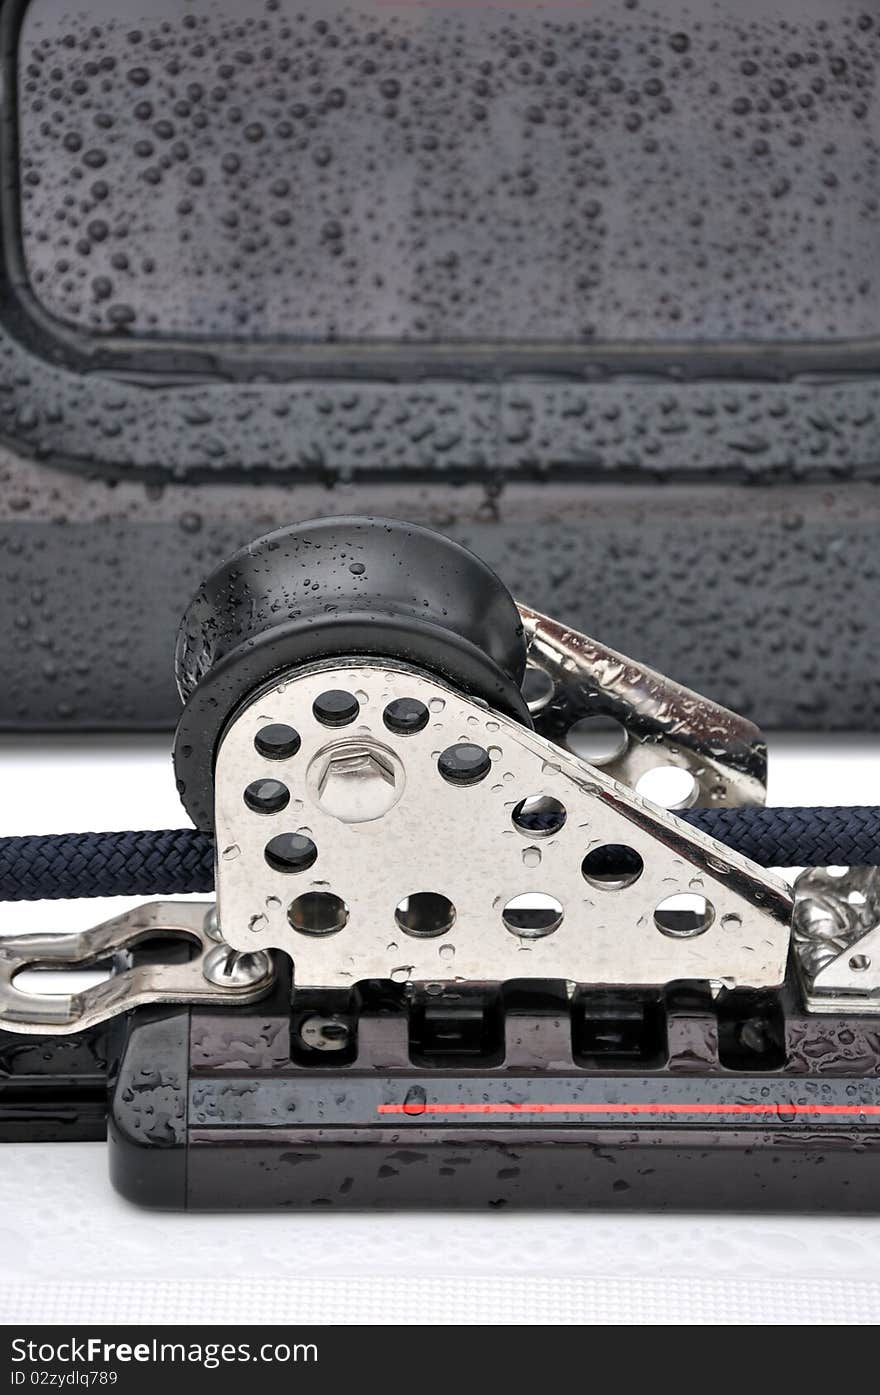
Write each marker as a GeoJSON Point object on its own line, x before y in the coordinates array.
{"type": "Point", "coordinates": [415, 1100]}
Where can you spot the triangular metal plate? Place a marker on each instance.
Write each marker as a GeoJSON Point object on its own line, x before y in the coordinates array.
{"type": "Point", "coordinates": [339, 918]}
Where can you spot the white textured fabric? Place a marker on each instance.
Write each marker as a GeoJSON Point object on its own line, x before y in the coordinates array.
{"type": "Point", "coordinates": [456, 1300]}
{"type": "Point", "coordinates": [72, 1251]}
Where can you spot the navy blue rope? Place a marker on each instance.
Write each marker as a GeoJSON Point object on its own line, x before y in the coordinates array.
{"type": "Point", "coordinates": [169, 862]}
{"type": "Point", "coordinates": [172, 862]}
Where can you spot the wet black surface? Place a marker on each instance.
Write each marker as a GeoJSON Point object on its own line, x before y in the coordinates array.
{"type": "Point", "coordinates": [535, 1125]}
{"type": "Point", "coordinates": [508, 195]}
{"type": "Point", "coordinates": [766, 602]}
{"type": "Point", "coordinates": [574, 355]}
{"type": "Point", "coordinates": [312, 170]}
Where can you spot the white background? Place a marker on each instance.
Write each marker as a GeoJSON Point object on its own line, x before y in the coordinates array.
{"type": "Point", "coordinates": [71, 1250]}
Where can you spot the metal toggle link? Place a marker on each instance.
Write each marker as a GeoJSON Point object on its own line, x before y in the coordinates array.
{"type": "Point", "coordinates": [214, 975]}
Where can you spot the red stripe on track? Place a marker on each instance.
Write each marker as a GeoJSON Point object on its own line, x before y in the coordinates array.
{"type": "Point", "coordinates": [639, 1108]}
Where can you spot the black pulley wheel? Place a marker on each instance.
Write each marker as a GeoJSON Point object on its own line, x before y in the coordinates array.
{"type": "Point", "coordinates": [370, 587]}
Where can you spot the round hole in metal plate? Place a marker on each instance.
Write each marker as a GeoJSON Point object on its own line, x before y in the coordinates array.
{"type": "Point", "coordinates": [612, 867]}
{"type": "Point", "coordinates": [290, 852]}
{"type": "Point", "coordinates": [599, 740]}
{"type": "Point", "coordinates": [406, 716]}
{"type": "Point", "coordinates": [539, 816]}
{"type": "Point", "coordinates": [537, 689]}
{"type": "Point", "coordinates": [684, 915]}
{"type": "Point", "coordinates": [669, 786]}
{"type": "Point", "coordinates": [336, 708]}
{"type": "Point", "coordinates": [266, 796]}
{"type": "Point", "coordinates": [277, 741]}
{"type": "Point", "coordinates": [318, 913]}
{"type": "Point", "coordinates": [465, 763]}
{"type": "Point", "coordinates": [425, 914]}
{"type": "Point", "coordinates": [532, 915]}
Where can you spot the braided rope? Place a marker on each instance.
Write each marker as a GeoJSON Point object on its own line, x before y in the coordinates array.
{"type": "Point", "coordinates": [816, 837]}
{"type": "Point", "coordinates": [166, 862]}
{"type": "Point", "coordinates": [173, 862]}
